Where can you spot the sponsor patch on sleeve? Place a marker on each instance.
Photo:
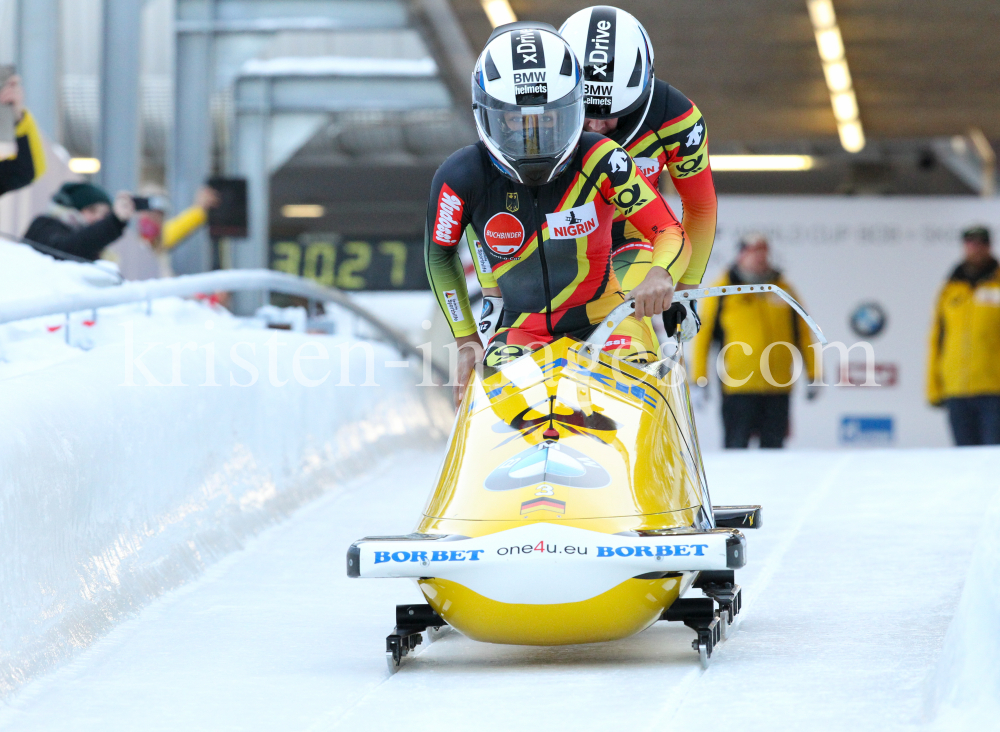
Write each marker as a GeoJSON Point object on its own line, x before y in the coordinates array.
{"type": "Point", "coordinates": [448, 221]}
{"type": "Point", "coordinates": [453, 305]}
{"type": "Point", "coordinates": [693, 138]}
{"type": "Point", "coordinates": [574, 223]}
{"type": "Point", "coordinates": [691, 156]}
{"type": "Point", "coordinates": [481, 261]}
{"type": "Point", "coordinates": [619, 167]}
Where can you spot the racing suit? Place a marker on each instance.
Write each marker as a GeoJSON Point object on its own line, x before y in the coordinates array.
{"type": "Point", "coordinates": [547, 248]}
{"type": "Point", "coordinates": [673, 135]}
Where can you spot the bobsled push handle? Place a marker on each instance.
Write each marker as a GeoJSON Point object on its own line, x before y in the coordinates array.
{"type": "Point", "coordinates": [597, 340]}
{"type": "Point", "coordinates": [746, 289]}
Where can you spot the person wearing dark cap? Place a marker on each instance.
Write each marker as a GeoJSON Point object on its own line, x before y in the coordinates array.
{"type": "Point", "coordinates": [964, 366]}
{"type": "Point", "coordinates": [82, 220]}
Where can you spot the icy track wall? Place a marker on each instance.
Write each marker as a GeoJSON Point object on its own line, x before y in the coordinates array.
{"type": "Point", "coordinates": [112, 494]}
{"type": "Point", "coordinates": [963, 692]}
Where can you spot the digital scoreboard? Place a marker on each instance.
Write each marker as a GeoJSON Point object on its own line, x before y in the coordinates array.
{"type": "Point", "coordinates": [353, 263]}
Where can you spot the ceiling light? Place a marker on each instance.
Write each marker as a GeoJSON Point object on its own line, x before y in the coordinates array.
{"type": "Point", "coordinates": [831, 44]}
{"type": "Point", "coordinates": [845, 106]}
{"type": "Point", "coordinates": [302, 211]}
{"type": "Point", "coordinates": [84, 166]}
{"type": "Point", "coordinates": [838, 76]}
{"type": "Point", "coordinates": [499, 12]}
{"type": "Point", "coordinates": [761, 162]}
{"type": "Point", "coordinates": [821, 13]}
{"type": "Point", "coordinates": [844, 101]}
{"type": "Point", "coordinates": [852, 136]}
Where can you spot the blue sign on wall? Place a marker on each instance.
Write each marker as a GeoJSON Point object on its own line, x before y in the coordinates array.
{"type": "Point", "coordinates": [866, 431]}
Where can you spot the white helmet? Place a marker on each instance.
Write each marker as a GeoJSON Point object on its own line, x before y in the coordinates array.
{"type": "Point", "coordinates": [527, 99]}
{"type": "Point", "coordinates": [617, 62]}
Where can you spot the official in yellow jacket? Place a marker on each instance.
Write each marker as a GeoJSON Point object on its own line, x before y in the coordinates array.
{"type": "Point", "coordinates": [764, 347]}
{"type": "Point", "coordinates": [964, 365]}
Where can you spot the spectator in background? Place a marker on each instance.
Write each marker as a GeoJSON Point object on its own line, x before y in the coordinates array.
{"type": "Point", "coordinates": [964, 368]}
{"type": "Point", "coordinates": [165, 233]}
{"type": "Point", "coordinates": [750, 403]}
{"type": "Point", "coordinates": [82, 220]}
{"type": "Point", "coordinates": [28, 163]}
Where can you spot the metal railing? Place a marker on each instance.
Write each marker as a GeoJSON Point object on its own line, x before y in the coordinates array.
{"type": "Point", "coordinates": [191, 285]}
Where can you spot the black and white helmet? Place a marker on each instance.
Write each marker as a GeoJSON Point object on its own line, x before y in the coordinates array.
{"type": "Point", "coordinates": [527, 99]}
{"type": "Point", "coordinates": [617, 62]}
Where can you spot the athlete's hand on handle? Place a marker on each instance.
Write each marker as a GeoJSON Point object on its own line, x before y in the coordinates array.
{"type": "Point", "coordinates": [654, 294]}
{"type": "Point", "coordinates": [470, 353]}
{"type": "Point", "coordinates": [682, 318]}
{"type": "Point", "coordinates": [675, 317]}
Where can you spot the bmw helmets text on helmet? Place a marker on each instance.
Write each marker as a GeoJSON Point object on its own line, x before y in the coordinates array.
{"type": "Point", "coordinates": [527, 100]}
{"type": "Point", "coordinates": [617, 60]}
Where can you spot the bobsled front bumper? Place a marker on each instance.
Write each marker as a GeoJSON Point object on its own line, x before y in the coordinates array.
{"type": "Point", "coordinates": [545, 563]}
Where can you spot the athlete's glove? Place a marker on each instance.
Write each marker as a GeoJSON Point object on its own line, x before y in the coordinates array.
{"type": "Point", "coordinates": [681, 318]}
{"type": "Point", "coordinates": [492, 310]}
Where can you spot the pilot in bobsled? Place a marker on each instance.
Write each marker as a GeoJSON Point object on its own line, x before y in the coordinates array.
{"type": "Point", "coordinates": [572, 505]}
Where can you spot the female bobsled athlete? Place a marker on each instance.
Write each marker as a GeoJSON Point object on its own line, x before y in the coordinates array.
{"type": "Point", "coordinates": [541, 196]}
{"type": "Point", "coordinates": [658, 126]}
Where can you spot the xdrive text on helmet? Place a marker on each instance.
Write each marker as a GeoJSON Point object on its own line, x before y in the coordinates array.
{"type": "Point", "coordinates": [526, 100]}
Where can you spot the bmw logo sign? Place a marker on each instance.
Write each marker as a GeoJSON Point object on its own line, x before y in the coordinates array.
{"type": "Point", "coordinates": [868, 319]}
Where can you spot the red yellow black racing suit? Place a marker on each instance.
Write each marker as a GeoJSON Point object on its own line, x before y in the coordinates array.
{"type": "Point", "coordinates": [673, 135]}
{"type": "Point", "coordinates": [547, 248]}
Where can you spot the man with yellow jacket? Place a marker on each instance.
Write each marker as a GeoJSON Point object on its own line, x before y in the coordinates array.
{"type": "Point", "coordinates": [763, 345]}
{"type": "Point", "coordinates": [964, 365]}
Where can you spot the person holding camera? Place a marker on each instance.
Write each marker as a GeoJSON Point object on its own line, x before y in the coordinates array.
{"type": "Point", "coordinates": [24, 163]}
{"type": "Point", "coordinates": [148, 253]}
{"type": "Point", "coordinates": [82, 220]}
{"type": "Point", "coordinates": [166, 233]}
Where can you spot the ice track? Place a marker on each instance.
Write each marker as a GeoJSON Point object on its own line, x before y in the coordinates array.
{"type": "Point", "coordinates": [849, 590]}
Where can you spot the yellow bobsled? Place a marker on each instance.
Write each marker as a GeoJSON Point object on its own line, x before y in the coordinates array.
{"type": "Point", "coordinates": [572, 507]}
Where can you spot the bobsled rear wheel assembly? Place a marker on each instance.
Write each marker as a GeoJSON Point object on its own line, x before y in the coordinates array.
{"type": "Point", "coordinates": [411, 621]}
{"type": "Point", "coordinates": [711, 623]}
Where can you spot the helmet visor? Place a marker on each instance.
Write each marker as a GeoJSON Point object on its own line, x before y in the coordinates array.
{"type": "Point", "coordinates": [524, 132]}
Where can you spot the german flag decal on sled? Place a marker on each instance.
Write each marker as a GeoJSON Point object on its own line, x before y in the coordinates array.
{"type": "Point", "coordinates": [543, 504]}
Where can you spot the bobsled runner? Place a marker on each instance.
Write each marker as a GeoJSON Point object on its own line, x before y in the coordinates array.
{"type": "Point", "coordinates": [572, 507]}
